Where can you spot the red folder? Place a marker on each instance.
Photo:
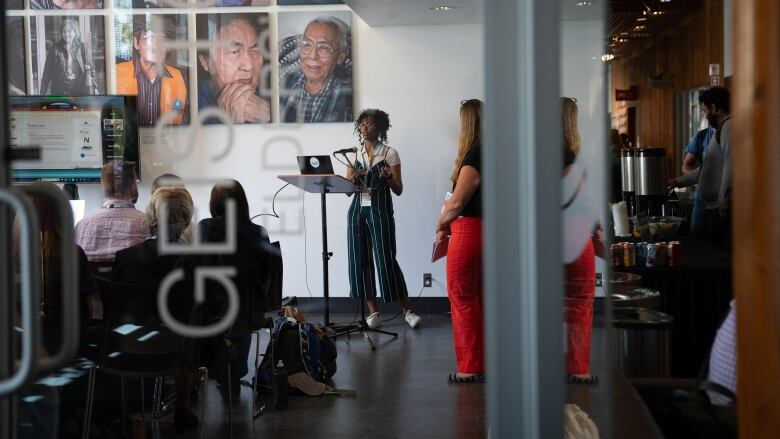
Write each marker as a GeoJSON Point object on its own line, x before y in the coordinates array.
{"type": "Point", "coordinates": [440, 249]}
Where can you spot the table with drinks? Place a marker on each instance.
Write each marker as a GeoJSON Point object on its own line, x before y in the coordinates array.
{"type": "Point", "coordinates": [694, 278]}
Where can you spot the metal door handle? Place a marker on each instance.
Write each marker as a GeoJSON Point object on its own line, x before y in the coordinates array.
{"type": "Point", "coordinates": [29, 246]}
{"type": "Point", "coordinates": [70, 289]}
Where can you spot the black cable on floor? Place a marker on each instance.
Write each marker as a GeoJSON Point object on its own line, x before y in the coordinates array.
{"type": "Point", "coordinates": [411, 302]}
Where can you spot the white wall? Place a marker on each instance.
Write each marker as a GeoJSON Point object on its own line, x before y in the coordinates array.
{"type": "Point", "coordinates": [419, 75]}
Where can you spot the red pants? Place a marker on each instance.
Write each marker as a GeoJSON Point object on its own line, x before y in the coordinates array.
{"type": "Point", "coordinates": [464, 287]}
{"type": "Point", "coordinates": [580, 290]}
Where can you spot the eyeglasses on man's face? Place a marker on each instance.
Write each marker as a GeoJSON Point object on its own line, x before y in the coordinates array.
{"type": "Point", "coordinates": [324, 50]}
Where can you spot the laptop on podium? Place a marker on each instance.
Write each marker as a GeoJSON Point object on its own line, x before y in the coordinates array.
{"type": "Point", "coordinates": [315, 164]}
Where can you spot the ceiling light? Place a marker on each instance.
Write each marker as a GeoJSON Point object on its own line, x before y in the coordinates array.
{"type": "Point", "coordinates": [607, 57]}
{"type": "Point", "coordinates": [441, 8]}
{"type": "Point", "coordinates": [665, 1]}
{"type": "Point", "coordinates": [639, 27]}
{"type": "Point", "coordinates": [641, 19]}
{"type": "Point", "coordinates": [583, 3]}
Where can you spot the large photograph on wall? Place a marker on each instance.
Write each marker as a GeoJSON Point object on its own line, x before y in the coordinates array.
{"type": "Point", "coordinates": [66, 4]}
{"type": "Point", "coordinates": [146, 68]}
{"type": "Point", "coordinates": [142, 4]}
{"type": "Point", "coordinates": [68, 55]}
{"type": "Point", "coordinates": [234, 74]}
{"type": "Point", "coordinates": [310, 2]}
{"type": "Point", "coordinates": [14, 32]}
{"type": "Point", "coordinates": [315, 67]}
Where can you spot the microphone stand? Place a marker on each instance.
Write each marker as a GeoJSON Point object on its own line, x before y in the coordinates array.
{"type": "Point", "coordinates": [362, 325]}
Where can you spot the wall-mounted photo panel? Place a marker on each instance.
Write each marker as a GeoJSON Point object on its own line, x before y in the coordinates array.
{"type": "Point", "coordinates": [14, 4]}
{"type": "Point", "coordinates": [310, 2]}
{"type": "Point", "coordinates": [66, 4]}
{"type": "Point", "coordinates": [68, 55]}
{"type": "Point", "coordinates": [146, 68]}
{"type": "Point", "coordinates": [233, 75]}
{"type": "Point", "coordinates": [14, 32]}
{"type": "Point", "coordinates": [141, 4]}
{"type": "Point", "coordinates": [315, 67]}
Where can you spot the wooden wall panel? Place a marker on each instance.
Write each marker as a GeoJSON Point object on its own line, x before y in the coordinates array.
{"type": "Point", "coordinates": [684, 50]}
{"type": "Point", "coordinates": [756, 214]}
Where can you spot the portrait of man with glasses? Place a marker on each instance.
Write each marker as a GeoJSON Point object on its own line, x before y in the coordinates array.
{"type": "Point", "coordinates": [315, 72]}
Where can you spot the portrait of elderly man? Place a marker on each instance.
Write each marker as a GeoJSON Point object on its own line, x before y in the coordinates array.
{"type": "Point", "coordinates": [230, 72]}
{"type": "Point", "coordinates": [317, 86]}
{"type": "Point", "coordinates": [161, 88]}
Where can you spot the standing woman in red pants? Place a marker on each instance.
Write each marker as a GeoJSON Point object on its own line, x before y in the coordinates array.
{"type": "Point", "coordinates": [580, 285]}
{"type": "Point", "coordinates": [461, 217]}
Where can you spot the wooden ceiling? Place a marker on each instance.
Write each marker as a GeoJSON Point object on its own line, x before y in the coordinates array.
{"type": "Point", "coordinates": [633, 21]}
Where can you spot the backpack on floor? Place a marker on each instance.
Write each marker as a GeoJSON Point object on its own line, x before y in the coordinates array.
{"type": "Point", "coordinates": [301, 349]}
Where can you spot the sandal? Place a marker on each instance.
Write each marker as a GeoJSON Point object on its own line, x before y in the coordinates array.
{"type": "Point", "coordinates": [591, 379]}
{"type": "Point", "coordinates": [476, 378]}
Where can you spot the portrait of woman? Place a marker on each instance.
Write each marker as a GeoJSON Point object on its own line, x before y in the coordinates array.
{"type": "Point", "coordinates": [70, 67]}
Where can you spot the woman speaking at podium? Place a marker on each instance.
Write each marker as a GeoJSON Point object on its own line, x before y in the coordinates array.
{"type": "Point", "coordinates": [370, 222]}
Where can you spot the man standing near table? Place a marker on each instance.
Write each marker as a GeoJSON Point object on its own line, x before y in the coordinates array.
{"type": "Point", "coordinates": [714, 173]}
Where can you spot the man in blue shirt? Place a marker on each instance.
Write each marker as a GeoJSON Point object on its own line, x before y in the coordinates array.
{"type": "Point", "coordinates": [693, 158]}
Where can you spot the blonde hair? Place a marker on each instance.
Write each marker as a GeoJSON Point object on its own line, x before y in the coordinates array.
{"type": "Point", "coordinates": [571, 133]}
{"type": "Point", "coordinates": [470, 132]}
{"type": "Point", "coordinates": [180, 210]}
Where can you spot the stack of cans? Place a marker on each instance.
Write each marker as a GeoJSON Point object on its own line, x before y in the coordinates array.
{"type": "Point", "coordinates": [645, 254]}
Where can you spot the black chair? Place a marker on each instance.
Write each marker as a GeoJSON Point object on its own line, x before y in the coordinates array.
{"type": "Point", "coordinates": [134, 342]}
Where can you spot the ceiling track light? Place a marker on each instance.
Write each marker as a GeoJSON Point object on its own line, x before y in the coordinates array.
{"type": "Point", "coordinates": [441, 8]}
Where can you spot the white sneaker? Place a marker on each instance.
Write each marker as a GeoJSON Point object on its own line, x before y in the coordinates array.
{"type": "Point", "coordinates": [412, 319]}
{"type": "Point", "coordinates": [374, 320]}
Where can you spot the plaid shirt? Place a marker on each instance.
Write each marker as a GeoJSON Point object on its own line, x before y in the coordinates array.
{"type": "Point", "coordinates": [331, 104]}
{"type": "Point", "coordinates": [723, 358]}
{"type": "Point", "coordinates": [109, 230]}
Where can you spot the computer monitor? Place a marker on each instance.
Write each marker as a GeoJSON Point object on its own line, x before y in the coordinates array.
{"type": "Point", "coordinates": [76, 135]}
{"type": "Point", "coordinates": [315, 164]}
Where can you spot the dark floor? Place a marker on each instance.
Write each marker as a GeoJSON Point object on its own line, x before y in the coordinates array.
{"type": "Point", "coordinates": [402, 392]}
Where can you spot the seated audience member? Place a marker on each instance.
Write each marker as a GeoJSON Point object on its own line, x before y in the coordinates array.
{"type": "Point", "coordinates": [141, 262]}
{"type": "Point", "coordinates": [253, 274]}
{"type": "Point", "coordinates": [118, 224]}
{"type": "Point", "coordinates": [169, 179]}
{"type": "Point", "coordinates": [51, 272]}
{"type": "Point", "coordinates": [723, 358]}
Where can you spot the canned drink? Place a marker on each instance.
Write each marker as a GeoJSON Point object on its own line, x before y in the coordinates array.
{"type": "Point", "coordinates": [628, 254]}
{"type": "Point", "coordinates": [661, 255]}
{"type": "Point", "coordinates": [616, 255]}
{"type": "Point", "coordinates": [674, 253]}
{"type": "Point", "coordinates": [650, 254]}
{"type": "Point", "coordinates": [641, 254]}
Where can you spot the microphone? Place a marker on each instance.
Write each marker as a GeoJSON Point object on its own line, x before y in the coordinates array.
{"type": "Point", "coordinates": [345, 150]}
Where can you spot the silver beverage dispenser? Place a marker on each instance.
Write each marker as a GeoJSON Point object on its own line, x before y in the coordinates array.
{"type": "Point", "coordinates": [650, 180]}
{"type": "Point", "coordinates": [627, 156]}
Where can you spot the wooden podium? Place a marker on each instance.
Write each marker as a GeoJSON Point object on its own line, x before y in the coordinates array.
{"type": "Point", "coordinates": [322, 184]}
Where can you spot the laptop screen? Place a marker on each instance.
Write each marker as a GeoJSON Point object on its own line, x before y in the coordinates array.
{"type": "Point", "coordinates": [315, 164]}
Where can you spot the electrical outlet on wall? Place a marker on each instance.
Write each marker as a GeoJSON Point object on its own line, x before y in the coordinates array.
{"type": "Point", "coordinates": [427, 280]}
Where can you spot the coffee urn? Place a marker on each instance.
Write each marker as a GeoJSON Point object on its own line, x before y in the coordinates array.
{"type": "Point", "coordinates": [627, 177]}
{"type": "Point", "coordinates": [650, 180]}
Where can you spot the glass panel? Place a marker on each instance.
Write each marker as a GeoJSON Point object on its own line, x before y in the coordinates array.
{"type": "Point", "coordinates": [170, 130]}
{"type": "Point", "coordinates": [588, 161]}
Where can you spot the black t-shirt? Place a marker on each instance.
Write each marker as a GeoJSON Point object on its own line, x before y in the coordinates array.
{"type": "Point", "coordinates": [474, 206]}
